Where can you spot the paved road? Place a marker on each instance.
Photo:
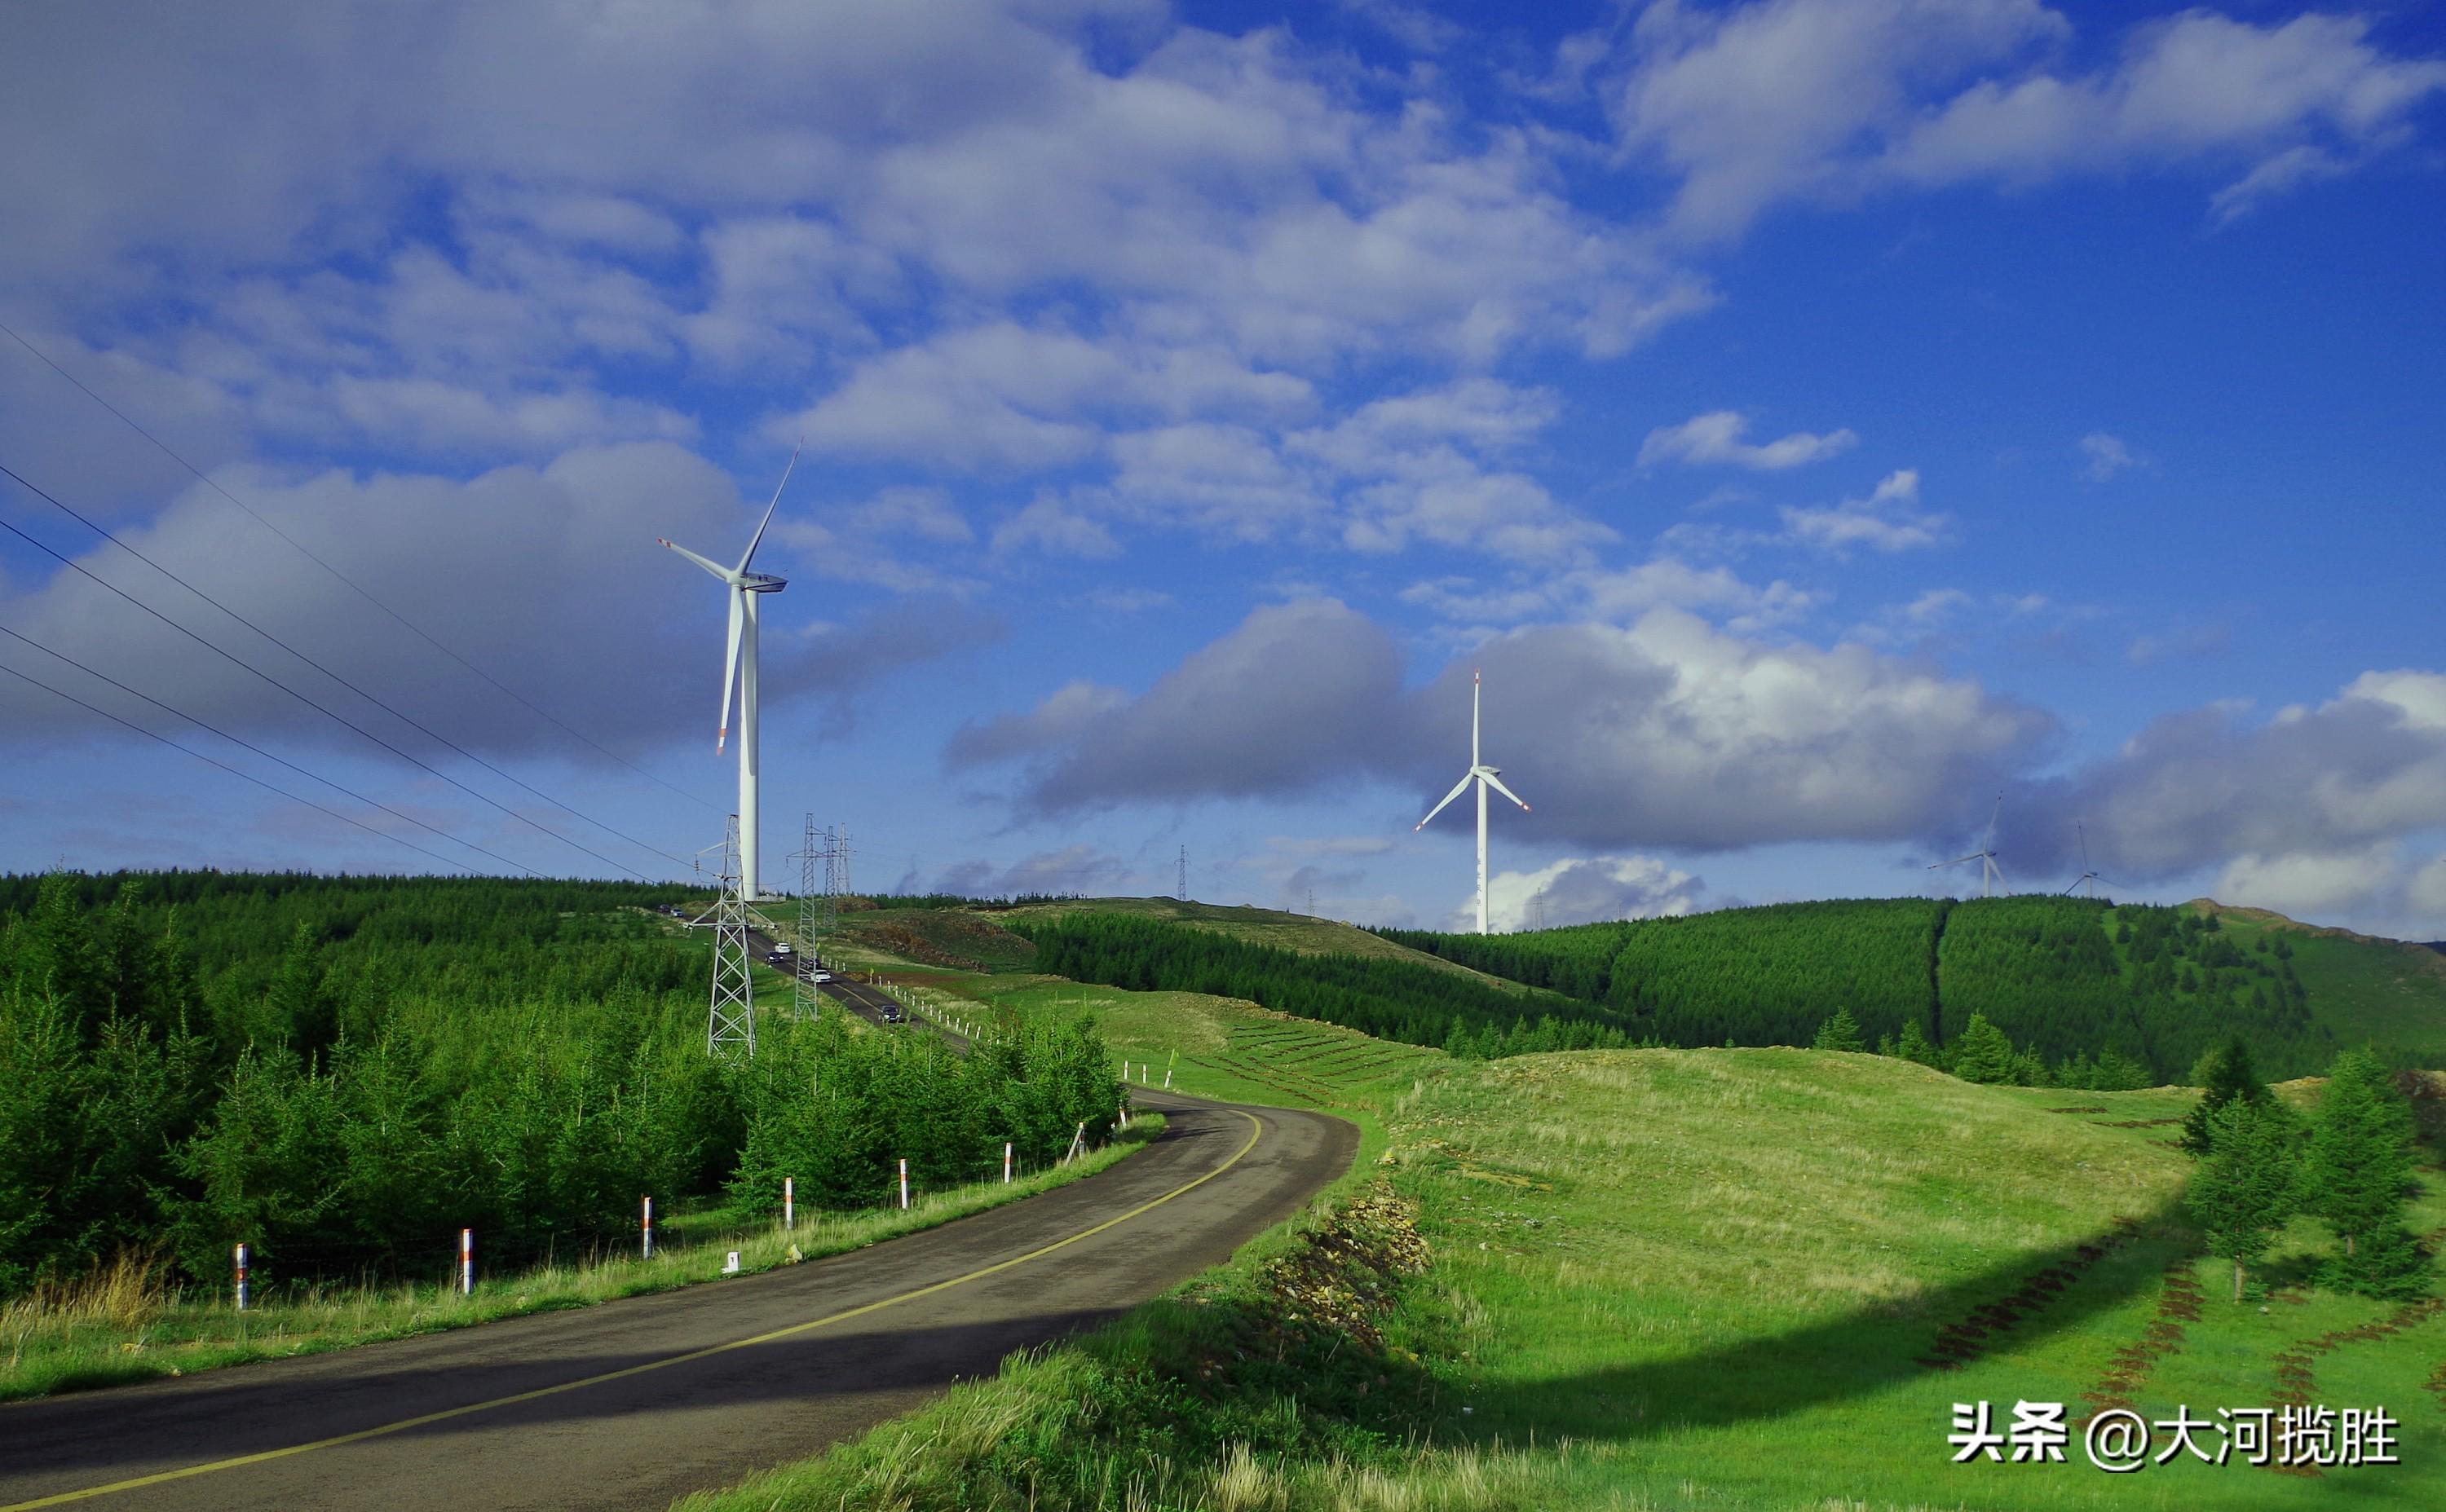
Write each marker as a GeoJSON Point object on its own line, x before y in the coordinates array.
{"type": "Point", "coordinates": [635, 1402]}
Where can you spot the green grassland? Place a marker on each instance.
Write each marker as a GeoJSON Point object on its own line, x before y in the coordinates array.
{"type": "Point", "coordinates": [1683, 1279]}
{"type": "Point", "coordinates": [2385, 991]}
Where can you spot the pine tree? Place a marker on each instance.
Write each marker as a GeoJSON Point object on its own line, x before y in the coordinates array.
{"type": "Point", "coordinates": [1913, 1045]}
{"type": "Point", "coordinates": [1840, 1032]}
{"type": "Point", "coordinates": [2226, 1074]}
{"type": "Point", "coordinates": [1983, 1053]}
{"type": "Point", "coordinates": [2247, 1186]}
{"type": "Point", "coordinates": [2116, 1072]}
{"type": "Point", "coordinates": [2359, 1165]}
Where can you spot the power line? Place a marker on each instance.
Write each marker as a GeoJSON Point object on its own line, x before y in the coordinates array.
{"type": "Point", "coordinates": [213, 729]}
{"type": "Point", "coordinates": [230, 770]}
{"type": "Point", "coordinates": [301, 698]}
{"type": "Point", "coordinates": [344, 683]}
{"type": "Point", "coordinates": [359, 589]}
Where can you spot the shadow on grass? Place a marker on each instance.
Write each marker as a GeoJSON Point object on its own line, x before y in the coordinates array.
{"type": "Point", "coordinates": [1862, 1353]}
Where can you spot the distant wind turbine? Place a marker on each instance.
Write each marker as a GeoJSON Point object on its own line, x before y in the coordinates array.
{"type": "Point", "coordinates": [1485, 776]}
{"type": "Point", "coordinates": [2088, 878]}
{"type": "Point", "coordinates": [1989, 873]}
{"type": "Point", "coordinates": [740, 588]}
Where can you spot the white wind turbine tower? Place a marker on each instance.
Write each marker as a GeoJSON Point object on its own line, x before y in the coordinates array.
{"type": "Point", "coordinates": [1989, 873]}
{"type": "Point", "coordinates": [1485, 777]}
{"type": "Point", "coordinates": [740, 588]}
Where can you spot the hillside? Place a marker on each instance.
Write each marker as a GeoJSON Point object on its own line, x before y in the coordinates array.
{"type": "Point", "coordinates": [1696, 1279]}
{"type": "Point", "coordinates": [1262, 926]}
{"type": "Point", "coordinates": [2065, 978]}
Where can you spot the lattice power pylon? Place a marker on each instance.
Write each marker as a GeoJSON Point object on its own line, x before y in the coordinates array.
{"type": "Point", "coordinates": [813, 909]}
{"type": "Point", "coordinates": [730, 1021]}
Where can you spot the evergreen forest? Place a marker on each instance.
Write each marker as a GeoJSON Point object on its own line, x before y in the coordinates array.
{"type": "Point", "coordinates": [343, 1072]}
{"type": "Point", "coordinates": [2068, 980]}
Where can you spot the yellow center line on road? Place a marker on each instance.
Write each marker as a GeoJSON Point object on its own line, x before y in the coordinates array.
{"type": "Point", "coordinates": [1255, 1131]}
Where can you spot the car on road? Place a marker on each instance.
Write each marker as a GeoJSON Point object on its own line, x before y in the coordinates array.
{"type": "Point", "coordinates": [820, 975]}
{"type": "Point", "coordinates": [892, 1015]}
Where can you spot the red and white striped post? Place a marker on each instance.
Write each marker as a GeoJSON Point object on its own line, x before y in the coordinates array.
{"type": "Point", "coordinates": [466, 1262]}
{"type": "Point", "coordinates": [789, 1201]}
{"type": "Point", "coordinates": [241, 1278]}
{"type": "Point", "coordinates": [903, 1183]}
{"type": "Point", "coordinates": [1006, 1162]}
{"type": "Point", "coordinates": [646, 1230]}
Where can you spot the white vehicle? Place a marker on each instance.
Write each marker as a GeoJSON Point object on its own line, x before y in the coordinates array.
{"type": "Point", "coordinates": [821, 977]}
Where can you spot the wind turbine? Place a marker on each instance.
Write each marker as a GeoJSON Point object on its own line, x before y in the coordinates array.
{"type": "Point", "coordinates": [2088, 878]}
{"type": "Point", "coordinates": [1989, 873]}
{"type": "Point", "coordinates": [1485, 777]}
{"type": "Point", "coordinates": [740, 588]}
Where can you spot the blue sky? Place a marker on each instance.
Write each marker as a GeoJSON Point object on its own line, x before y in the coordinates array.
{"type": "Point", "coordinates": [1816, 416]}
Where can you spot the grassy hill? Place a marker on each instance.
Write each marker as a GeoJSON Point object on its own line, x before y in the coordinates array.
{"type": "Point", "coordinates": [1701, 1278]}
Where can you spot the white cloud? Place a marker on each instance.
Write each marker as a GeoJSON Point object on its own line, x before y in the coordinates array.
{"type": "Point", "coordinates": [2104, 456]}
{"type": "Point", "coordinates": [535, 573]}
{"type": "Point", "coordinates": [1824, 100]}
{"type": "Point", "coordinates": [1890, 519]}
{"type": "Point", "coordinates": [2283, 798]}
{"type": "Point", "coordinates": [2309, 884]}
{"type": "Point", "coordinates": [1667, 732]}
{"type": "Point", "coordinates": [1716, 437]}
{"type": "Point", "coordinates": [1578, 890]}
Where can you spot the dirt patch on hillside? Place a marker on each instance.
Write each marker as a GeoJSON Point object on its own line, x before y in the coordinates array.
{"type": "Point", "coordinates": [944, 937]}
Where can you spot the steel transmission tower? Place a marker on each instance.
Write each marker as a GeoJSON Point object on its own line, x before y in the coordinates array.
{"type": "Point", "coordinates": [1183, 893]}
{"type": "Point", "coordinates": [811, 907]}
{"type": "Point", "coordinates": [730, 1020]}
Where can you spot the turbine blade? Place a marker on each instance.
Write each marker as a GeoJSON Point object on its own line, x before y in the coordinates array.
{"type": "Point", "coordinates": [758, 538]}
{"type": "Point", "coordinates": [1993, 815]}
{"type": "Point", "coordinates": [715, 568]}
{"type": "Point", "coordinates": [2082, 831]}
{"type": "Point", "coordinates": [1496, 783]}
{"type": "Point", "coordinates": [1459, 788]}
{"type": "Point", "coordinates": [1474, 759]}
{"type": "Point", "coordinates": [730, 667]}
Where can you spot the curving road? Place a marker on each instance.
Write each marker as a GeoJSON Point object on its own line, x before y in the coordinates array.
{"type": "Point", "coordinates": [635, 1402]}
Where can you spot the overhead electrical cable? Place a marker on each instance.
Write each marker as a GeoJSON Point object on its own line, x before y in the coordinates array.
{"type": "Point", "coordinates": [210, 728]}
{"type": "Point", "coordinates": [359, 589]}
{"type": "Point", "coordinates": [379, 703]}
{"type": "Point", "coordinates": [230, 770]}
{"type": "Point", "coordinates": [257, 672]}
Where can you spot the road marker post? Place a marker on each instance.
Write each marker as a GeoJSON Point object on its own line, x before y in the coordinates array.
{"type": "Point", "coordinates": [1076, 1139]}
{"type": "Point", "coordinates": [789, 1201]}
{"type": "Point", "coordinates": [904, 1183]}
{"type": "Point", "coordinates": [241, 1278]}
{"type": "Point", "coordinates": [466, 1262]}
{"type": "Point", "coordinates": [1006, 1162]}
{"type": "Point", "coordinates": [646, 1230]}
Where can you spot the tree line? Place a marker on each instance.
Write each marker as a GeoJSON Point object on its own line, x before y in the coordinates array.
{"type": "Point", "coordinates": [1390, 999]}
{"type": "Point", "coordinates": [342, 1071]}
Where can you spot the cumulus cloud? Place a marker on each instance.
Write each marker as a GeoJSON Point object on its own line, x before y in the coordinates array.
{"type": "Point", "coordinates": [1890, 519]}
{"type": "Point", "coordinates": [1825, 100]}
{"type": "Point", "coordinates": [2295, 801]}
{"type": "Point", "coordinates": [536, 574]}
{"type": "Point", "coordinates": [1665, 731]}
{"type": "Point", "coordinates": [1583, 889]}
{"type": "Point", "coordinates": [1281, 704]}
{"type": "Point", "coordinates": [1716, 437]}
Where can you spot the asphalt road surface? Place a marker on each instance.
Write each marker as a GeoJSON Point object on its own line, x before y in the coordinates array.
{"type": "Point", "coordinates": [634, 1403]}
